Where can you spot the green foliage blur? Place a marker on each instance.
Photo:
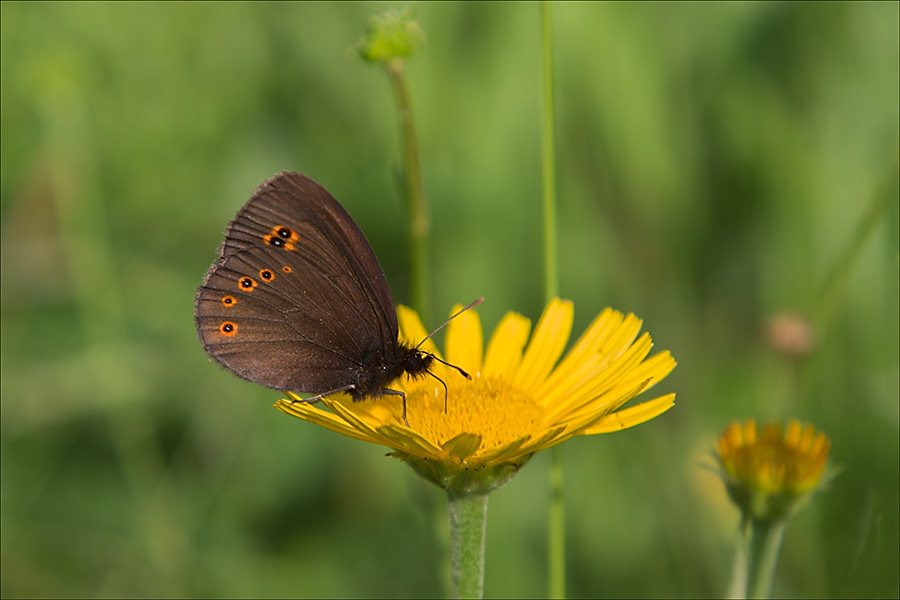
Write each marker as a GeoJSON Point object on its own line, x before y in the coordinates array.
{"type": "Point", "coordinates": [715, 164]}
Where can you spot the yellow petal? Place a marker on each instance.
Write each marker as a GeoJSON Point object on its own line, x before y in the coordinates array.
{"type": "Point", "coordinates": [504, 351]}
{"type": "Point", "coordinates": [547, 344]}
{"type": "Point", "coordinates": [308, 412]}
{"type": "Point", "coordinates": [404, 438]}
{"type": "Point", "coordinates": [792, 435]}
{"type": "Point", "coordinates": [644, 376]}
{"type": "Point", "coordinates": [635, 415]}
{"type": "Point", "coordinates": [622, 337]}
{"type": "Point", "coordinates": [596, 334]}
{"type": "Point", "coordinates": [412, 332]}
{"type": "Point", "coordinates": [380, 409]}
{"type": "Point", "coordinates": [464, 342]}
{"type": "Point", "coordinates": [603, 405]}
{"type": "Point", "coordinates": [462, 446]}
{"type": "Point", "coordinates": [550, 438]}
{"type": "Point", "coordinates": [588, 378]}
{"type": "Point", "coordinates": [352, 419]}
{"type": "Point", "coordinates": [598, 383]}
{"type": "Point", "coordinates": [584, 350]}
{"type": "Point", "coordinates": [506, 450]}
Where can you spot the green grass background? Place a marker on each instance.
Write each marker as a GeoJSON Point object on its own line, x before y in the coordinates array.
{"type": "Point", "coordinates": [714, 160]}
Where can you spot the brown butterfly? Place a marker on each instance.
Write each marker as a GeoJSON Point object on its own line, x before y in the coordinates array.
{"type": "Point", "coordinates": [297, 300]}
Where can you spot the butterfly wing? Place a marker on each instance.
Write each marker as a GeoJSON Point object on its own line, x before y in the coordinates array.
{"type": "Point", "coordinates": [297, 300]}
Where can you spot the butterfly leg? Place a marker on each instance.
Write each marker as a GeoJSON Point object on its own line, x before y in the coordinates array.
{"type": "Point", "coordinates": [403, 396]}
{"type": "Point", "coordinates": [317, 397]}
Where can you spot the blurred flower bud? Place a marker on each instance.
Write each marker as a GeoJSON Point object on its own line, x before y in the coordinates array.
{"type": "Point", "coordinates": [791, 334]}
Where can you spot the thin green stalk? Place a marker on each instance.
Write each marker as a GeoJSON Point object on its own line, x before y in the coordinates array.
{"type": "Point", "coordinates": [468, 521]}
{"type": "Point", "coordinates": [556, 547]}
{"type": "Point", "coordinates": [416, 208]}
{"type": "Point", "coordinates": [765, 542]}
{"type": "Point", "coordinates": [557, 543]}
{"type": "Point", "coordinates": [551, 260]}
{"type": "Point", "coordinates": [837, 280]}
{"type": "Point", "coordinates": [737, 587]}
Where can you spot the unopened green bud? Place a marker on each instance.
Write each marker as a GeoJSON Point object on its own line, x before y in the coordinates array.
{"type": "Point", "coordinates": [393, 34]}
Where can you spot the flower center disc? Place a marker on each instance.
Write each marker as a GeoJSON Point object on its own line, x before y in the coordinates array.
{"type": "Point", "coordinates": [490, 407]}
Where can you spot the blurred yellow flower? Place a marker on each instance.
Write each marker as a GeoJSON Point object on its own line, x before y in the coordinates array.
{"type": "Point", "coordinates": [519, 400]}
{"type": "Point", "coordinates": [779, 460]}
{"type": "Point", "coordinates": [769, 474]}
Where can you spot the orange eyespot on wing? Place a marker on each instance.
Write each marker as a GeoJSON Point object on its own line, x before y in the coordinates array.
{"type": "Point", "coordinates": [282, 237]}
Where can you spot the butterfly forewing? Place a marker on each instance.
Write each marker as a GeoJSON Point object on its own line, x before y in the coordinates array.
{"type": "Point", "coordinates": [297, 300]}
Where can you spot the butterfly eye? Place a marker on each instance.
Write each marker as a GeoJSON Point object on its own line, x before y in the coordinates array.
{"type": "Point", "coordinates": [248, 283]}
{"type": "Point", "coordinates": [229, 301]}
{"type": "Point", "coordinates": [267, 275]}
{"type": "Point", "coordinates": [228, 328]}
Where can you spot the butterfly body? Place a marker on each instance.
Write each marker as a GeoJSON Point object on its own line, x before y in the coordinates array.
{"type": "Point", "coordinates": [297, 300]}
{"type": "Point", "coordinates": [377, 373]}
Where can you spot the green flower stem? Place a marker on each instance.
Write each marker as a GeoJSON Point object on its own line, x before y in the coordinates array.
{"type": "Point", "coordinates": [416, 209]}
{"type": "Point", "coordinates": [765, 542]}
{"type": "Point", "coordinates": [556, 546]}
{"type": "Point", "coordinates": [468, 520]}
{"type": "Point", "coordinates": [737, 587]}
{"type": "Point", "coordinates": [557, 542]}
{"type": "Point", "coordinates": [551, 260]}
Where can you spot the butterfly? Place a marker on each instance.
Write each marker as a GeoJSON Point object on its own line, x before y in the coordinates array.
{"type": "Point", "coordinates": [297, 301]}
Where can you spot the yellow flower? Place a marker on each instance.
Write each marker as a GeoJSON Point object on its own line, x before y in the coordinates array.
{"type": "Point", "coordinates": [767, 473]}
{"type": "Point", "coordinates": [520, 399]}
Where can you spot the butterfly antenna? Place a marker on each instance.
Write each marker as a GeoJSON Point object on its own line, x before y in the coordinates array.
{"type": "Point", "coordinates": [444, 384]}
{"type": "Point", "coordinates": [442, 325]}
{"type": "Point", "coordinates": [463, 373]}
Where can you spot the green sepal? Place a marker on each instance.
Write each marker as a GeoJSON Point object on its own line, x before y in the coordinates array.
{"type": "Point", "coordinates": [460, 479]}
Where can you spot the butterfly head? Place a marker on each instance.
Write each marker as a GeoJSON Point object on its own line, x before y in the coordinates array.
{"type": "Point", "coordinates": [417, 363]}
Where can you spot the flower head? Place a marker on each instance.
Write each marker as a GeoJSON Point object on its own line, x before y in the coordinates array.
{"type": "Point", "coordinates": [791, 334]}
{"type": "Point", "coordinates": [522, 398]}
{"type": "Point", "coordinates": [770, 474]}
{"type": "Point", "coordinates": [391, 35]}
